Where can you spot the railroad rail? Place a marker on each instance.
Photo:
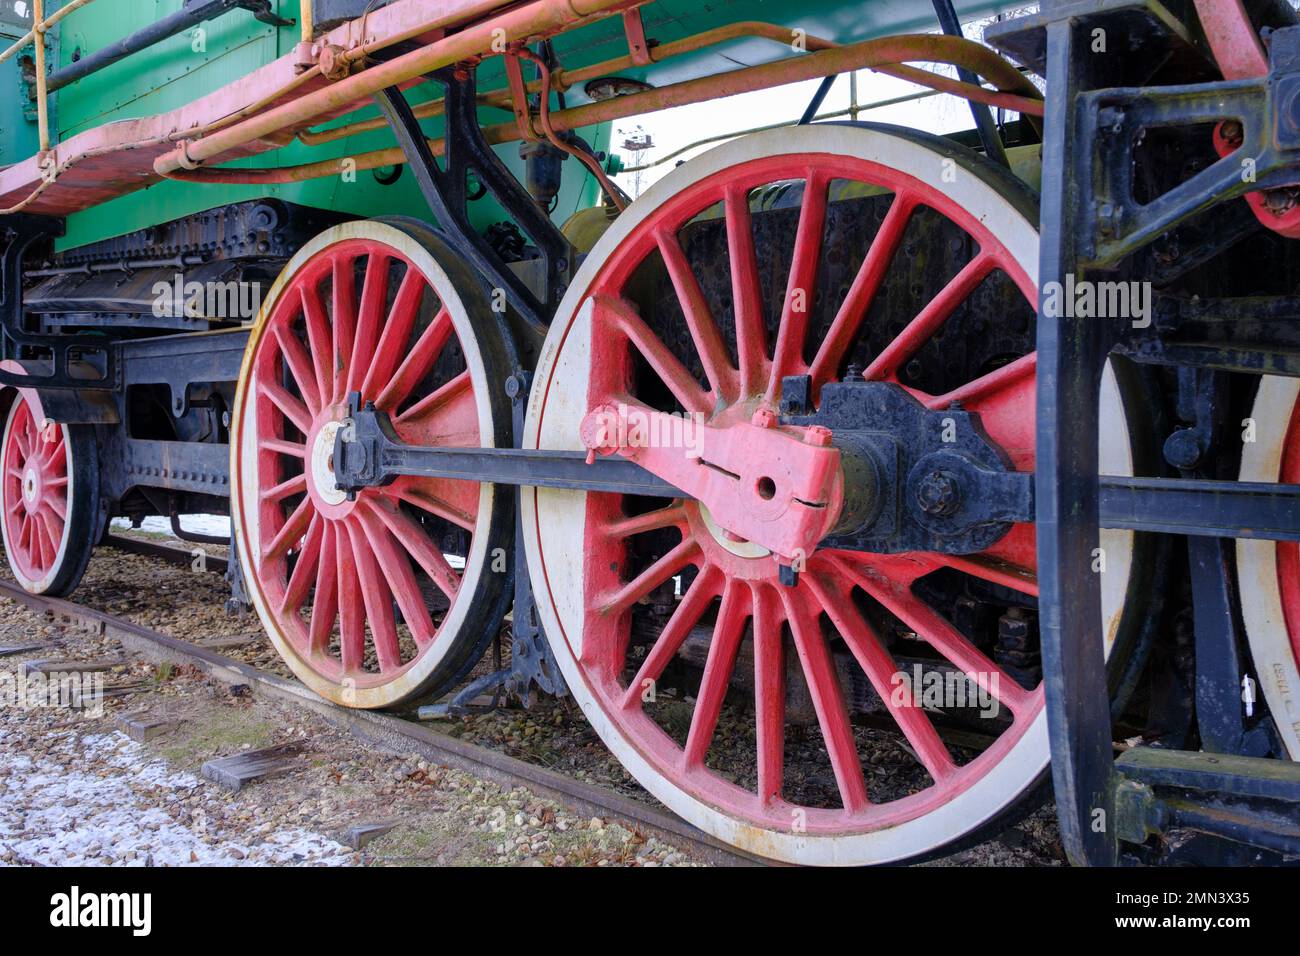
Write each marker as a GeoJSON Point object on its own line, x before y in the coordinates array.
{"type": "Point", "coordinates": [387, 730]}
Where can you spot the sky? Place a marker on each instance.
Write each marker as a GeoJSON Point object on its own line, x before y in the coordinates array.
{"type": "Point", "coordinates": [673, 129]}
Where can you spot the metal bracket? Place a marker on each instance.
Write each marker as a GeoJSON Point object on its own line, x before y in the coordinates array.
{"type": "Point", "coordinates": [1112, 223]}
{"type": "Point", "coordinates": [75, 362]}
{"type": "Point", "coordinates": [1250, 801]}
{"type": "Point", "coordinates": [446, 194]}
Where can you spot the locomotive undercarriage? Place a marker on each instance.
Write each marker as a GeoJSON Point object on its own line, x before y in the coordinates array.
{"type": "Point", "coordinates": [741, 669]}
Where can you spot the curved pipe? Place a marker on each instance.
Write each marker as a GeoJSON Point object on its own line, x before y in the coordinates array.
{"type": "Point", "coordinates": [566, 79]}
{"type": "Point", "coordinates": [539, 18]}
{"type": "Point", "coordinates": [886, 55]}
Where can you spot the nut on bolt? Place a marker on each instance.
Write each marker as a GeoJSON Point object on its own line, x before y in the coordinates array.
{"type": "Point", "coordinates": [333, 65]}
{"type": "Point", "coordinates": [764, 418]}
{"type": "Point", "coordinates": [938, 493]}
{"type": "Point", "coordinates": [1231, 132]}
{"type": "Point", "coordinates": [818, 435]}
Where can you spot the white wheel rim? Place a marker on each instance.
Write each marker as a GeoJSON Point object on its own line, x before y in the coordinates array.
{"type": "Point", "coordinates": [553, 520]}
{"type": "Point", "coordinates": [244, 477]}
{"type": "Point", "coordinates": [1257, 570]}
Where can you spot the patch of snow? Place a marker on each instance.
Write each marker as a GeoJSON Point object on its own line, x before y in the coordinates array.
{"type": "Point", "coordinates": [101, 800]}
{"type": "Point", "coordinates": [203, 524]}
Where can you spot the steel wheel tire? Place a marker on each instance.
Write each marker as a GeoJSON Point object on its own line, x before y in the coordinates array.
{"type": "Point", "coordinates": [50, 500]}
{"type": "Point", "coordinates": [581, 618]}
{"type": "Point", "coordinates": [1268, 572]}
{"type": "Point", "coordinates": [414, 340]}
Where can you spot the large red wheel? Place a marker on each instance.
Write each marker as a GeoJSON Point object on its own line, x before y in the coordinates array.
{"type": "Point", "coordinates": [1268, 572]}
{"type": "Point", "coordinates": [390, 596]}
{"type": "Point", "coordinates": [659, 581]}
{"type": "Point", "coordinates": [49, 494]}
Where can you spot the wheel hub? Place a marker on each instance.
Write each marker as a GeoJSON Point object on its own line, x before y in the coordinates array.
{"type": "Point", "coordinates": [31, 488]}
{"type": "Point", "coordinates": [731, 542]}
{"type": "Point", "coordinates": [322, 479]}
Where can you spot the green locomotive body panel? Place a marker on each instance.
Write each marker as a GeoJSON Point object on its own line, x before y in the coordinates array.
{"type": "Point", "coordinates": [190, 65]}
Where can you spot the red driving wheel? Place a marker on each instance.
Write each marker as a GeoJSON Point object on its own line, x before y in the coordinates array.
{"type": "Point", "coordinates": [50, 500]}
{"type": "Point", "coordinates": [711, 595]}
{"type": "Point", "coordinates": [389, 595]}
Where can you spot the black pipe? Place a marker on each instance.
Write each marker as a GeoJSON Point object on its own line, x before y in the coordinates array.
{"type": "Point", "coordinates": [815, 104]}
{"type": "Point", "coordinates": [191, 14]}
{"type": "Point", "coordinates": [988, 130]}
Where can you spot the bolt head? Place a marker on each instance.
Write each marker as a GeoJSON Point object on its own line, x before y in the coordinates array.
{"type": "Point", "coordinates": [938, 494]}
{"type": "Point", "coordinates": [818, 435]}
{"type": "Point", "coordinates": [764, 418]}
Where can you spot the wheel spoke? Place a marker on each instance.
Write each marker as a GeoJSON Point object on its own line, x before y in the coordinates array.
{"type": "Point", "coordinates": [300, 366]}
{"type": "Point", "coordinates": [421, 496]}
{"type": "Point", "coordinates": [418, 363]}
{"type": "Point", "coordinates": [319, 338]}
{"type": "Point", "coordinates": [448, 392]}
{"type": "Point", "coordinates": [723, 648]}
{"type": "Point", "coordinates": [325, 600]}
{"type": "Point", "coordinates": [344, 309]}
{"type": "Point", "coordinates": [622, 316]}
{"type": "Point", "coordinates": [290, 486]}
{"type": "Point", "coordinates": [352, 618]}
{"type": "Point", "coordinates": [304, 569]}
{"type": "Point", "coordinates": [827, 697]}
{"type": "Point", "coordinates": [910, 341]}
{"type": "Point", "coordinates": [853, 311]}
{"type": "Point", "coordinates": [57, 507]}
{"type": "Point", "coordinates": [396, 568]}
{"type": "Point", "coordinates": [391, 349]}
{"type": "Point", "coordinates": [417, 544]}
{"type": "Point", "coordinates": [787, 357]}
{"type": "Point", "coordinates": [673, 516]}
{"type": "Point", "coordinates": [686, 552]}
{"type": "Point", "coordinates": [291, 531]}
{"type": "Point", "coordinates": [378, 600]}
{"type": "Point", "coordinates": [746, 292]}
{"type": "Point", "coordinates": [769, 692]}
{"type": "Point", "coordinates": [374, 293]}
{"type": "Point", "coordinates": [52, 452]}
{"type": "Point", "coordinates": [282, 446]}
{"type": "Point", "coordinates": [685, 616]}
{"type": "Point", "coordinates": [709, 347]}
{"type": "Point", "coordinates": [877, 663]}
{"type": "Point", "coordinates": [53, 536]}
{"type": "Point", "coordinates": [292, 407]}
{"type": "Point", "coordinates": [935, 630]}
{"type": "Point", "coordinates": [995, 571]}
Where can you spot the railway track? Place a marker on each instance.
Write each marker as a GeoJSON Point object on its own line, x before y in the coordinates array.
{"type": "Point", "coordinates": [393, 732]}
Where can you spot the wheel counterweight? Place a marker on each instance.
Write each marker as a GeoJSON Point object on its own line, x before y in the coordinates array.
{"type": "Point", "coordinates": [391, 594]}
{"type": "Point", "coordinates": [729, 687]}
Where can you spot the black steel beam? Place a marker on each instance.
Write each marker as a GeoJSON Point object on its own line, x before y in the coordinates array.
{"type": "Point", "coordinates": [1202, 508]}
{"type": "Point", "coordinates": [1070, 352]}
